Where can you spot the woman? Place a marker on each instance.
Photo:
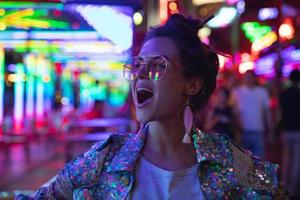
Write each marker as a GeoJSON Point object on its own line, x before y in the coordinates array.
{"type": "Point", "coordinates": [172, 77]}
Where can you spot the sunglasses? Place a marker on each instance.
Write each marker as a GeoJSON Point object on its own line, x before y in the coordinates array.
{"type": "Point", "coordinates": [154, 67]}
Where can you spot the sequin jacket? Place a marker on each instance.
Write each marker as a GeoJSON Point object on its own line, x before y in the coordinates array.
{"type": "Point", "coordinates": [106, 171]}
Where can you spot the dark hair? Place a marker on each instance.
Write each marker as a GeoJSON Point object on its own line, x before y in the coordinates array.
{"type": "Point", "coordinates": [250, 72]}
{"type": "Point", "coordinates": [198, 59]}
{"type": "Point", "coordinates": [295, 76]}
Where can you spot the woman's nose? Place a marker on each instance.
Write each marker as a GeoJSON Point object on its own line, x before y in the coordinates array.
{"type": "Point", "coordinates": [142, 72]}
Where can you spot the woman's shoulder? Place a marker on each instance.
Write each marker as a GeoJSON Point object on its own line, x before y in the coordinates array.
{"type": "Point", "coordinates": [90, 164]}
{"type": "Point", "coordinates": [250, 171]}
{"type": "Point", "coordinates": [83, 170]}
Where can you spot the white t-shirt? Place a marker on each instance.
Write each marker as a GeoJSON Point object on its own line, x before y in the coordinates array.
{"type": "Point", "coordinates": [251, 103]}
{"type": "Point", "coordinates": [152, 182]}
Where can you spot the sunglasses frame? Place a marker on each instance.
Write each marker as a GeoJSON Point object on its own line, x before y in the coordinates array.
{"type": "Point", "coordinates": [145, 61]}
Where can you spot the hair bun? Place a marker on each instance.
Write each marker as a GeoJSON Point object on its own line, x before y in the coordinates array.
{"type": "Point", "coordinates": [198, 24]}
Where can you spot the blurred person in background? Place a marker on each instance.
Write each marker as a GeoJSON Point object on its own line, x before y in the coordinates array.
{"type": "Point", "coordinates": [96, 110]}
{"type": "Point", "coordinates": [229, 80]}
{"type": "Point", "coordinates": [290, 125]}
{"type": "Point", "coordinates": [168, 158]}
{"type": "Point", "coordinates": [220, 117]}
{"type": "Point", "coordinates": [253, 113]}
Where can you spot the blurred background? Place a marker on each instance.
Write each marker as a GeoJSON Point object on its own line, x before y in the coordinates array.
{"type": "Point", "coordinates": [62, 86]}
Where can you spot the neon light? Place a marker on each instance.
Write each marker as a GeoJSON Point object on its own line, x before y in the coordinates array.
{"type": "Point", "coordinates": [267, 13]}
{"type": "Point", "coordinates": [42, 64]}
{"type": "Point", "coordinates": [46, 78]}
{"type": "Point", "coordinates": [265, 65]}
{"type": "Point", "coordinates": [163, 11]}
{"type": "Point", "coordinates": [244, 66]}
{"type": "Point", "coordinates": [64, 35]}
{"type": "Point", "coordinates": [245, 57]}
{"type": "Point", "coordinates": [173, 7]}
{"type": "Point", "coordinates": [88, 47]}
{"type": "Point", "coordinates": [19, 92]}
{"type": "Point", "coordinates": [1, 82]}
{"type": "Point", "coordinates": [291, 54]}
{"type": "Point", "coordinates": [109, 23]}
{"type": "Point", "coordinates": [224, 17]}
{"type": "Point", "coordinates": [222, 61]}
{"type": "Point", "coordinates": [66, 46]}
{"type": "Point", "coordinates": [287, 68]}
{"type": "Point", "coordinates": [15, 78]}
{"type": "Point", "coordinates": [17, 5]}
{"type": "Point", "coordinates": [28, 18]}
{"type": "Point", "coordinates": [137, 18]}
{"type": "Point", "coordinates": [203, 2]}
{"type": "Point", "coordinates": [295, 55]}
{"type": "Point", "coordinates": [240, 6]}
{"type": "Point", "coordinates": [286, 30]}
{"type": "Point", "coordinates": [6, 35]}
{"type": "Point", "coordinates": [204, 34]}
{"type": "Point", "coordinates": [231, 2]}
{"type": "Point", "coordinates": [65, 101]}
{"type": "Point", "coordinates": [30, 66]}
{"type": "Point", "coordinates": [2, 26]}
{"type": "Point", "coordinates": [2, 12]}
{"type": "Point", "coordinates": [255, 31]}
{"type": "Point", "coordinates": [18, 14]}
{"type": "Point", "coordinates": [263, 42]}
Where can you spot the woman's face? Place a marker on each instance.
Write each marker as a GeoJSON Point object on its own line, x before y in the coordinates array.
{"type": "Point", "coordinates": [161, 99]}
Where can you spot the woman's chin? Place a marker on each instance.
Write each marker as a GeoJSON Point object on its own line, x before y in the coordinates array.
{"type": "Point", "coordinates": [143, 117]}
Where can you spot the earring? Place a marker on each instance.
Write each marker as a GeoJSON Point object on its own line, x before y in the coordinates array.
{"type": "Point", "coordinates": [188, 123]}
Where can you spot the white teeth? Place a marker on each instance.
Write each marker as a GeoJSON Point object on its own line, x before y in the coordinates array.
{"type": "Point", "coordinates": [144, 89]}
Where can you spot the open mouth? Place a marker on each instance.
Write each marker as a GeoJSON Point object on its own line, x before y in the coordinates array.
{"type": "Point", "coordinates": [143, 94]}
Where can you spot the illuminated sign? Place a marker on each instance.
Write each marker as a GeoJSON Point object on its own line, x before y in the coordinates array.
{"type": "Point", "coordinates": [267, 13]}
{"type": "Point", "coordinates": [223, 18]}
{"type": "Point", "coordinates": [254, 30]}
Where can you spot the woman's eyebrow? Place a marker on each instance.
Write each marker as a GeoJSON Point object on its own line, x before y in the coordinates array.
{"type": "Point", "coordinates": [168, 59]}
{"type": "Point", "coordinates": [143, 58]}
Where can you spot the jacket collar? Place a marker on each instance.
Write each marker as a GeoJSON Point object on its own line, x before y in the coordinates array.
{"type": "Point", "coordinates": [212, 147]}
{"type": "Point", "coordinates": [125, 159]}
{"type": "Point", "coordinates": [209, 147]}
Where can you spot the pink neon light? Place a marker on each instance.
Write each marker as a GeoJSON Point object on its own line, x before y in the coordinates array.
{"type": "Point", "coordinates": [1, 83]}
{"type": "Point", "coordinates": [19, 103]}
{"type": "Point", "coordinates": [163, 10]}
{"type": "Point", "coordinates": [30, 64]}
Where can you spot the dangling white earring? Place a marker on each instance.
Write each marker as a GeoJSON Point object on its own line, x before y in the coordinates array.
{"type": "Point", "coordinates": [188, 123]}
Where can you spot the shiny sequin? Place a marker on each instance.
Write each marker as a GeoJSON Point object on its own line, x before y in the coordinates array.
{"type": "Point", "coordinates": [107, 171]}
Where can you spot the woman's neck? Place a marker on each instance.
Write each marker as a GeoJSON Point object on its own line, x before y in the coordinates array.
{"type": "Point", "coordinates": [164, 145]}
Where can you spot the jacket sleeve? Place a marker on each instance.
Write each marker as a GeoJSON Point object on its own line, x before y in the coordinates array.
{"type": "Point", "coordinates": [84, 170]}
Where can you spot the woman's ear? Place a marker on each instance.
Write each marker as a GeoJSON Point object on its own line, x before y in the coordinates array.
{"type": "Point", "coordinates": [193, 86]}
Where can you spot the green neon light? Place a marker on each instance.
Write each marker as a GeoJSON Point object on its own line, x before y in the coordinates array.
{"type": "Point", "coordinates": [1, 82]}
{"type": "Point", "coordinates": [255, 31]}
{"type": "Point", "coordinates": [19, 5]}
{"type": "Point", "coordinates": [37, 47]}
{"type": "Point", "coordinates": [31, 18]}
{"type": "Point", "coordinates": [118, 95]}
{"type": "Point", "coordinates": [58, 24]}
{"type": "Point", "coordinates": [99, 92]}
{"type": "Point", "coordinates": [40, 12]}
